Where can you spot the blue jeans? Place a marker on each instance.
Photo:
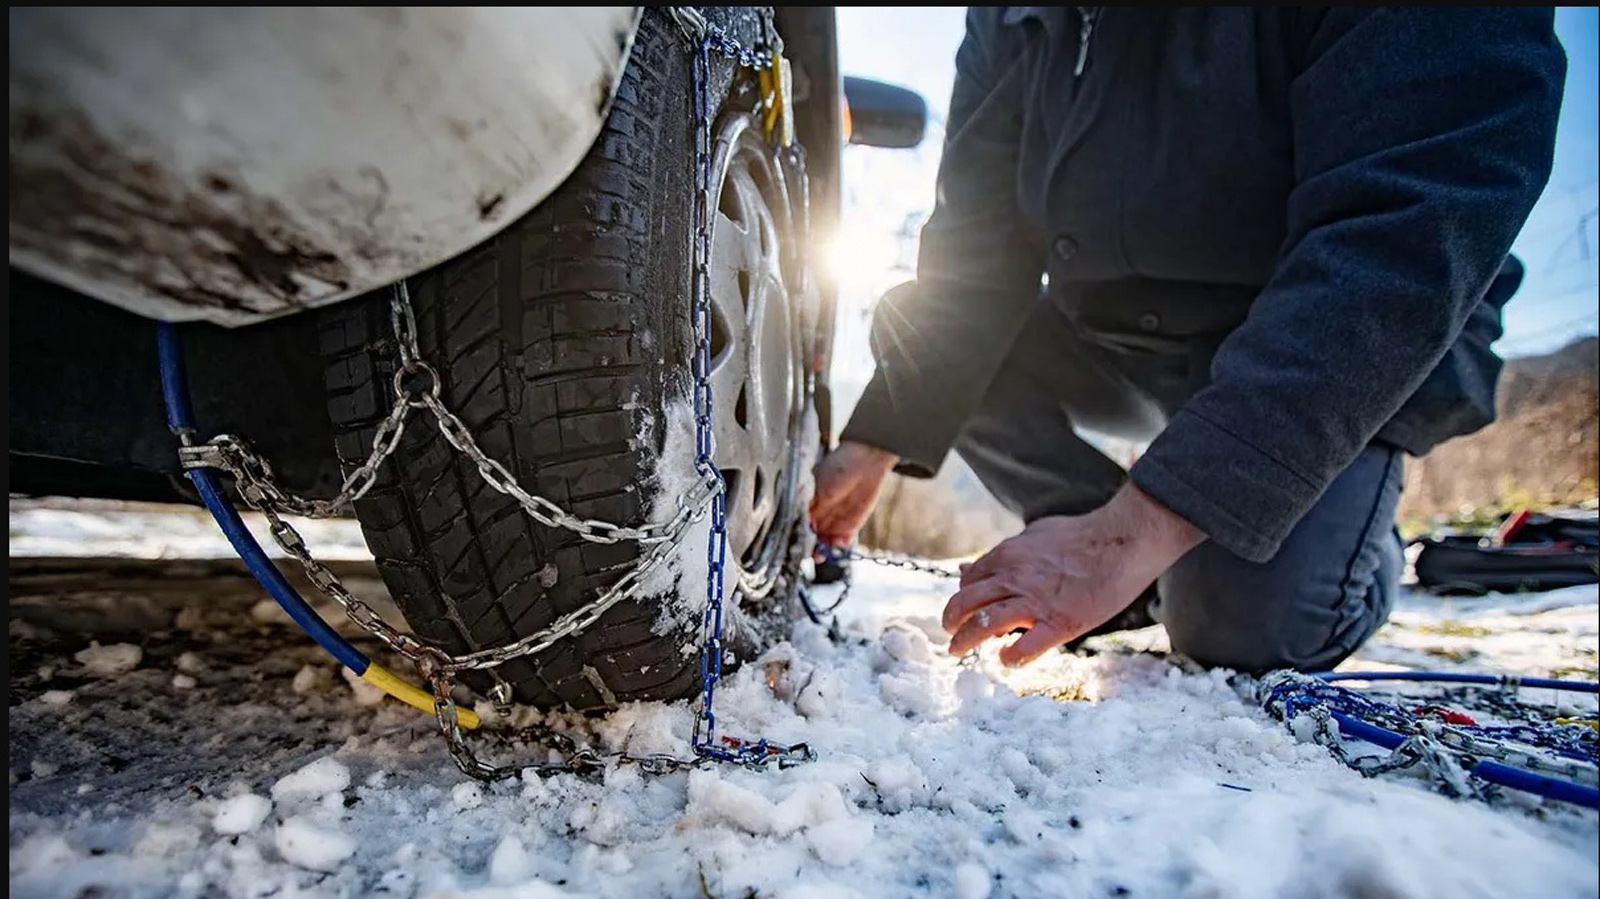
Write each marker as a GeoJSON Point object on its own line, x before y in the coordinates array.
{"type": "Point", "coordinates": [1330, 586]}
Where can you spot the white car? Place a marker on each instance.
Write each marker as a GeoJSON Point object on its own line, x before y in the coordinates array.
{"type": "Point", "coordinates": [266, 176]}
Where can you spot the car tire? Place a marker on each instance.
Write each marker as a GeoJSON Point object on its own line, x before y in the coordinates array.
{"type": "Point", "coordinates": [561, 343]}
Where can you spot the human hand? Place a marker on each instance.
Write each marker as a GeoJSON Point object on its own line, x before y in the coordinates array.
{"type": "Point", "coordinates": [848, 481]}
{"type": "Point", "coordinates": [1063, 575]}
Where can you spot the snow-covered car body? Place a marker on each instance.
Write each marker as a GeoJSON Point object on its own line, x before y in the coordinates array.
{"type": "Point", "coordinates": [237, 164]}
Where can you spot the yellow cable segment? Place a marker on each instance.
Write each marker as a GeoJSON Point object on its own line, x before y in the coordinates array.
{"type": "Point", "coordinates": [379, 677]}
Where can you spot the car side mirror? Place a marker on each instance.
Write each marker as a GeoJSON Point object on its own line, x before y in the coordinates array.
{"type": "Point", "coordinates": [883, 115]}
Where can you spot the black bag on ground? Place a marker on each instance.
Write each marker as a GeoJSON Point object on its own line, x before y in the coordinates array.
{"type": "Point", "coordinates": [1530, 551]}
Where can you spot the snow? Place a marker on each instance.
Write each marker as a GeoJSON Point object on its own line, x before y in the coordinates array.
{"type": "Point", "coordinates": [303, 843]}
{"type": "Point", "coordinates": [466, 795]}
{"type": "Point", "coordinates": [1116, 773]}
{"type": "Point", "coordinates": [109, 661]}
{"type": "Point", "coordinates": [972, 881]}
{"type": "Point", "coordinates": [308, 678]}
{"type": "Point", "coordinates": [363, 692]}
{"type": "Point", "coordinates": [681, 581]}
{"type": "Point", "coordinates": [65, 527]}
{"type": "Point", "coordinates": [319, 778]}
{"type": "Point", "coordinates": [510, 863]}
{"type": "Point", "coordinates": [241, 814]}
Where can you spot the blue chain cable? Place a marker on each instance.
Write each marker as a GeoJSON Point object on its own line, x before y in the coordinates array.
{"type": "Point", "coordinates": [705, 742]}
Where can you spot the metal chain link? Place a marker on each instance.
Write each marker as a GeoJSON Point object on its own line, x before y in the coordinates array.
{"type": "Point", "coordinates": [540, 509]}
{"type": "Point", "coordinates": [894, 560]}
{"type": "Point", "coordinates": [827, 552]}
{"type": "Point", "coordinates": [417, 385]}
{"type": "Point", "coordinates": [699, 30]}
{"type": "Point", "coordinates": [253, 472]}
{"type": "Point", "coordinates": [328, 583]}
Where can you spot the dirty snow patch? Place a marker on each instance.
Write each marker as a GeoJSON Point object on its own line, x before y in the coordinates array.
{"type": "Point", "coordinates": [109, 661]}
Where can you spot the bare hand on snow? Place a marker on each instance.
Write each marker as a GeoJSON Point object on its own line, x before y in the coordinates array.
{"type": "Point", "coordinates": [1063, 575]}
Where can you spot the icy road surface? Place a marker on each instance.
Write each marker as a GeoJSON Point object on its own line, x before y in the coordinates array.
{"type": "Point", "coordinates": [172, 735]}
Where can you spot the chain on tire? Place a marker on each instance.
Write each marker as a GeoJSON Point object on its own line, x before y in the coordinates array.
{"type": "Point", "coordinates": [416, 387]}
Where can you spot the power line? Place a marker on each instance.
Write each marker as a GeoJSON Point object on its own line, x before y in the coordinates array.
{"type": "Point", "coordinates": [1578, 233]}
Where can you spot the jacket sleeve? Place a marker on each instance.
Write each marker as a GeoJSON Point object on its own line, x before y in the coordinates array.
{"type": "Point", "coordinates": [940, 340]}
{"type": "Point", "coordinates": [1422, 138]}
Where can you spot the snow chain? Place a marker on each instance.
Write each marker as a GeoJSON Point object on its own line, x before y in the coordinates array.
{"type": "Point", "coordinates": [827, 552]}
{"type": "Point", "coordinates": [1444, 752]}
{"type": "Point", "coordinates": [416, 387]}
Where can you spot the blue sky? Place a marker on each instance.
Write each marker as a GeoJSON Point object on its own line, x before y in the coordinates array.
{"type": "Point", "coordinates": [888, 192]}
{"type": "Point", "coordinates": [1558, 244]}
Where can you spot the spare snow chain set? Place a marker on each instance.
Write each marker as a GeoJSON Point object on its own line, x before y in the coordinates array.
{"type": "Point", "coordinates": [416, 386]}
{"type": "Point", "coordinates": [1554, 759]}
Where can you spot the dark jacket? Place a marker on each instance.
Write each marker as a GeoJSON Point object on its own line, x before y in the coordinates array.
{"type": "Point", "coordinates": [1316, 199]}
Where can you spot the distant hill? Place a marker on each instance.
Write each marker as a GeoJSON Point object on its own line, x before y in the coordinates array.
{"type": "Point", "coordinates": [1544, 443]}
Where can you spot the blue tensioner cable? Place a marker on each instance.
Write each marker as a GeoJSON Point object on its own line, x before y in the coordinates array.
{"type": "Point", "coordinates": [1488, 769]}
{"type": "Point", "coordinates": [180, 419]}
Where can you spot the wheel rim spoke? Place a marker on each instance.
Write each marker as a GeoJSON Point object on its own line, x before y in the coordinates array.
{"type": "Point", "coordinates": [754, 373]}
{"type": "Point", "coordinates": [730, 367]}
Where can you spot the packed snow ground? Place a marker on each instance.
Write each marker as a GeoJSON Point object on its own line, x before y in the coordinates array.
{"type": "Point", "coordinates": [172, 736]}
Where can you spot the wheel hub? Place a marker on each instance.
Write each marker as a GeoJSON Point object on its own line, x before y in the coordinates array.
{"type": "Point", "coordinates": [756, 381]}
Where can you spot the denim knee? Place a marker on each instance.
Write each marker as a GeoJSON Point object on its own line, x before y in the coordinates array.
{"type": "Point", "coordinates": [1329, 587]}
{"type": "Point", "coordinates": [1223, 611]}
